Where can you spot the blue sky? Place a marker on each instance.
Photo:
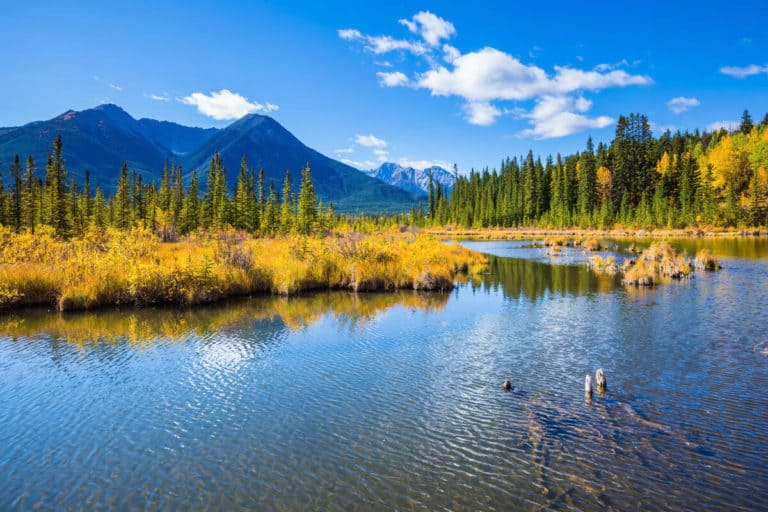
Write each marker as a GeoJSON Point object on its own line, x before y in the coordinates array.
{"type": "Point", "coordinates": [416, 83]}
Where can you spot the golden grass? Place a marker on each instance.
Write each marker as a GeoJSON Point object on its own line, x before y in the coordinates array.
{"type": "Point", "coordinates": [106, 268]}
{"type": "Point", "coordinates": [656, 264]}
{"type": "Point", "coordinates": [705, 260]}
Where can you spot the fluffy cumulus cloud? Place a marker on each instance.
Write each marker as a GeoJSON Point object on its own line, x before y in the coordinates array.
{"type": "Point", "coordinates": [481, 113]}
{"type": "Point", "coordinates": [484, 78]}
{"type": "Point", "coordinates": [558, 116]}
{"type": "Point", "coordinates": [430, 27]}
{"type": "Point", "coordinates": [744, 72]}
{"type": "Point", "coordinates": [681, 104]}
{"type": "Point", "coordinates": [225, 104]}
{"type": "Point", "coordinates": [370, 141]}
{"type": "Point", "coordinates": [393, 79]}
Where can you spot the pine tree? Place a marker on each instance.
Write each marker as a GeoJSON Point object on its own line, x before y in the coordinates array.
{"type": "Point", "coordinates": [746, 124]}
{"type": "Point", "coordinates": [16, 213]}
{"type": "Point", "coordinates": [191, 210]}
{"type": "Point", "coordinates": [286, 211]}
{"type": "Point", "coordinates": [29, 198]}
{"type": "Point", "coordinates": [55, 202]}
{"type": "Point", "coordinates": [307, 208]}
{"type": "Point", "coordinates": [121, 218]}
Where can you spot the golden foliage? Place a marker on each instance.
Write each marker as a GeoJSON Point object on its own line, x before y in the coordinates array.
{"type": "Point", "coordinates": [604, 181]}
{"type": "Point", "coordinates": [133, 267]}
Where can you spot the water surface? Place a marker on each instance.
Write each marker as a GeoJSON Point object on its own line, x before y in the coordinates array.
{"type": "Point", "coordinates": [340, 401]}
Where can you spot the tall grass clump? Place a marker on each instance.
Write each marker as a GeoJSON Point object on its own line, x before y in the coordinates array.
{"type": "Point", "coordinates": [658, 263]}
{"type": "Point", "coordinates": [110, 267]}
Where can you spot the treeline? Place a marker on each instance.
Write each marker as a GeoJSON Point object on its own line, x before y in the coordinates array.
{"type": "Point", "coordinates": [169, 209]}
{"type": "Point", "coordinates": [676, 180]}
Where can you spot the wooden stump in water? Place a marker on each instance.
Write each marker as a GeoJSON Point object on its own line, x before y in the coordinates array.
{"type": "Point", "coordinates": [600, 382]}
{"type": "Point", "coordinates": [588, 389]}
{"type": "Point", "coordinates": [507, 386]}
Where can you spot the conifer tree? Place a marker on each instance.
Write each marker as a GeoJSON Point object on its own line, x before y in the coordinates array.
{"type": "Point", "coordinates": [286, 210]}
{"type": "Point", "coordinates": [307, 206]}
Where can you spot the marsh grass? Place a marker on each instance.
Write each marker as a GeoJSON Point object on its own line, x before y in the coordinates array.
{"type": "Point", "coordinates": [110, 268]}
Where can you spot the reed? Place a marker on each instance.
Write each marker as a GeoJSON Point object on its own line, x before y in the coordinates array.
{"type": "Point", "coordinates": [106, 268]}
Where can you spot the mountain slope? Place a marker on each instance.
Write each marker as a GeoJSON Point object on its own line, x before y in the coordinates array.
{"type": "Point", "coordinates": [177, 138]}
{"type": "Point", "coordinates": [410, 179]}
{"type": "Point", "coordinates": [99, 140]}
{"type": "Point", "coordinates": [271, 147]}
{"type": "Point", "coordinates": [102, 138]}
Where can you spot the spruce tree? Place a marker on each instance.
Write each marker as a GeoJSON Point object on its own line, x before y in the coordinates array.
{"type": "Point", "coordinates": [746, 124]}
{"type": "Point", "coordinates": [307, 207]}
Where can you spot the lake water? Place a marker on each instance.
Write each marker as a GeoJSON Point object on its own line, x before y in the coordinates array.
{"type": "Point", "coordinates": [338, 401]}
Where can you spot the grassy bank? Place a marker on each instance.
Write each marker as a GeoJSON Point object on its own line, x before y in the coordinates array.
{"type": "Point", "coordinates": [614, 233]}
{"type": "Point", "coordinates": [110, 267]}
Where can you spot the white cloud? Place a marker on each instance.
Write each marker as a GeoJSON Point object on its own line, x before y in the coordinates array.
{"type": "Point", "coordinates": [159, 97]}
{"type": "Point", "coordinates": [349, 34]}
{"type": "Point", "coordinates": [364, 165]}
{"type": "Point", "coordinates": [422, 164]}
{"type": "Point", "coordinates": [743, 72]}
{"type": "Point", "coordinates": [681, 104]}
{"type": "Point", "coordinates": [384, 63]}
{"type": "Point", "coordinates": [116, 87]}
{"type": "Point", "coordinates": [554, 116]}
{"type": "Point", "coordinates": [225, 104]}
{"type": "Point", "coordinates": [393, 79]}
{"type": "Point", "coordinates": [430, 27]}
{"type": "Point", "coordinates": [485, 77]}
{"type": "Point", "coordinates": [450, 53]}
{"type": "Point", "coordinates": [481, 113]}
{"type": "Point", "coordinates": [608, 67]}
{"type": "Point", "coordinates": [382, 44]}
{"type": "Point", "coordinates": [718, 125]}
{"type": "Point", "coordinates": [490, 74]}
{"type": "Point", "coordinates": [370, 141]}
{"type": "Point", "coordinates": [343, 151]}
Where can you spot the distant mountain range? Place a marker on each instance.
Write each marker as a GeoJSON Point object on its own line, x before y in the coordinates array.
{"type": "Point", "coordinates": [101, 139]}
{"type": "Point", "coordinates": [412, 180]}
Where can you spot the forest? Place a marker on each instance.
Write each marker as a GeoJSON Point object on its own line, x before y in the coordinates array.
{"type": "Point", "coordinates": [701, 179]}
{"type": "Point", "coordinates": [677, 180]}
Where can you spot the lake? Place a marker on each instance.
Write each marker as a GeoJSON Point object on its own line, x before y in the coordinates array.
{"type": "Point", "coordinates": [337, 401]}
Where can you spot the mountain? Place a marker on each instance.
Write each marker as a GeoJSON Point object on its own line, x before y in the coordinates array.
{"type": "Point", "coordinates": [271, 147]}
{"type": "Point", "coordinates": [98, 140]}
{"type": "Point", "coordinates": [410, 179]}
{"type": "Point", "coordinates": [102, 138]}
{"type": "Point", "coordinates": [178, 138]}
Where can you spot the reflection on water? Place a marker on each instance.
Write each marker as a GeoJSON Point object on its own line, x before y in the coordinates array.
{"type": "Point", "coordinates": [392, 401]}
{"type": "Point", "coordinates": [533, 280]}
{"type": "Point", "coordinates": [148, 325]}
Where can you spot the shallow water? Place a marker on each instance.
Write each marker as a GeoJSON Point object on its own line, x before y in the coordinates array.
{"type": "Point", "coordinates": [392, 401]}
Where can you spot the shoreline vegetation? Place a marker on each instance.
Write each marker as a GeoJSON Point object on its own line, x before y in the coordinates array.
{"type": "Point", "coordinates": [659, 263]}
{"type": "Point", "coordinates": [109, 267]}
{"type": "Point", "coordinates": [616, 232]}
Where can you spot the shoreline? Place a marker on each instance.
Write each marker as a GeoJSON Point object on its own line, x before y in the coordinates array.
{"type": "Point", "coordinates": [519, 233]}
